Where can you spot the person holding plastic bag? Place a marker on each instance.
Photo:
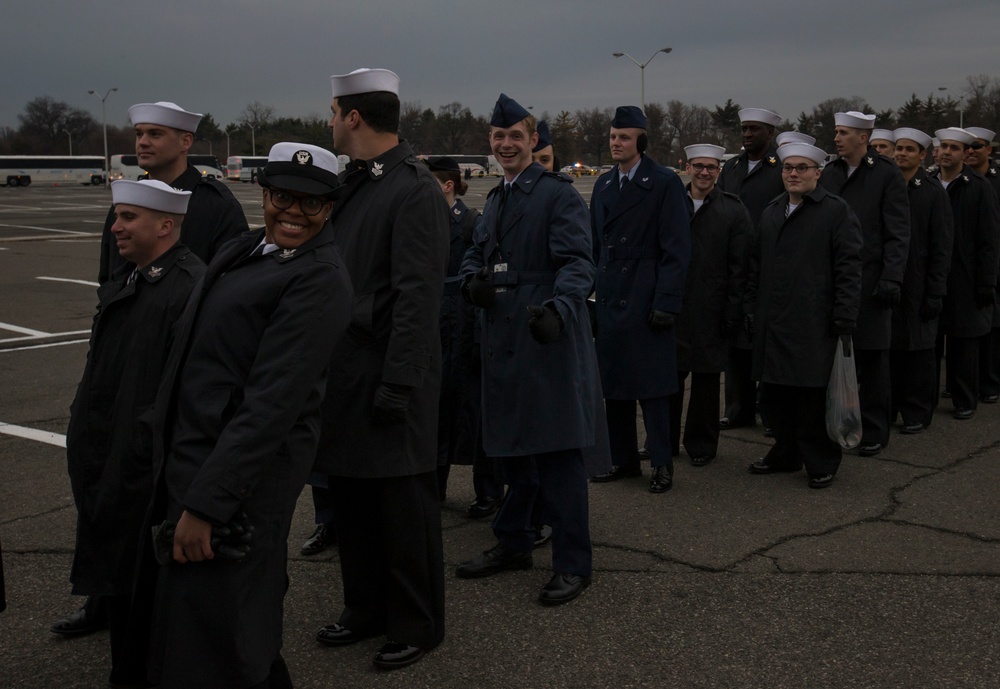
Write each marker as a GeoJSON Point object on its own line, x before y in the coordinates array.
{"type": "Point", "coordinates": [802, 296]}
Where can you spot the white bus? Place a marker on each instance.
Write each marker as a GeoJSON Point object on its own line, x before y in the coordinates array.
{"type": "Point", "coordinates": [244, 168]}
{"type": "Point", "coordinates": [20, 171]}
{"type": "Point", "coordinates": [477, 165]}
{"type": "Point", "coordinates": [126, 166]}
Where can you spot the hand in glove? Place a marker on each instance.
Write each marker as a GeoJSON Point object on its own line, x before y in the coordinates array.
{"type": "Point", "coordinates": [985, 296]}
{"type": "Point", "coordinates": [748, 325]}
{"type": "Point", "coordinates": [842, 326]}
{"type": "Point", "coordinates": [887, 294]}
{"type": "Point", "coordinates": [931, 307]}
{"type": "Point", "coordinates": [479, 289]}
{"type": "Point", "coordinates": [660, 321]}
{"type": "Point", "coordinates": [545, 324]}
{"type": "Point", "coordinates": [390, 403]}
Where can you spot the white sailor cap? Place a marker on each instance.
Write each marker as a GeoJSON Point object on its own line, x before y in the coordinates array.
{"type": "Point", "coordinates": [914, 135]}
{"type": "Point", "coordinates": [801, 150]}
{"type": "Point", "coordinates": [760, 115]}
{"type": "Point", "coordinates": [166, 114]}
{"type": "Point", "coordinates": [854, 119]}
{"type": "Point", "coordinates": [300, 167]}
{"type": "Point", "coordinates": [986, 135]}
{"type": "Point", "coordinates": [936, 142]}
{"type": "Point", "coordinates": [884, 134]}
{"type": "Point", "coordinates": [364, 80]}
{"type": "Point", "coordinates": [955, 134]}
{"type": "Point", "coordinates": [785, 138]}
{"type": "Point", "coordinates": [150, 193]}
{"type": "Point", "coordinates": [704, 151]}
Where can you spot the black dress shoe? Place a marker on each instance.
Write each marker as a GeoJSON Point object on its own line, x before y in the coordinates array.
{"type": "Point", "coordinates": [869, 449]}
{"type": "Point", "coordinates": [701, 460]}
{"type": "Point", "coordinates": [725, 423]}
{"type": "Point", "coordinates": [643, 454]}
{"type": "Point", "coordinates": [662, 480]}
{"type": "Point", "coordinates": [768, 432]}
{"type": "Point", "coordinates": [493, 561]}
{"type": "Point", "coordinates": [483, 507]}
{"type": "Point", "coordinates": [946, 393]}
{"type": "Point", "coordinates": [821, 481]}
{"type": "Point", "coordinates": [396, 655]}
{"type": "Point", "coordinates": [562, 588]}
{"type": "Point", "coordinates": [989, 399]}
{"type": "Point", "coordinates": [962, 413]}
{"type": "Point", "coordinates": [729, 423]}
{"type": "Point", "coordinates": [322, 538]}
{"type": "Point", "coordinates": [913, 428]}
{"type": "Point", "coordinates": [616, 473]}
{"type": "Point", "coordinates": [339, 635]}
{"type": "Point", "coordinates": [86, 620]}
{"type": "Point", "coordinates": [543, 534]}
{"type": "Point", "coordinates": [762, 467]}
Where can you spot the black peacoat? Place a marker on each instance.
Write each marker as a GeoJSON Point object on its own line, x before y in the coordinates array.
{"type": "Point", "coordinates": [805, 273]}
{"type": "Point", "coordinates": [876, 193]}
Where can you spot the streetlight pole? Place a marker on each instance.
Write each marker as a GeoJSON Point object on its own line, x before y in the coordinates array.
{"type": "Point", "coordinates": [70, 137]}
{"type": "Point", "coordinates": [253, 138]}
{"type": "Point", "coordinates": [226, 131]}
{"type": "Point", "coordinates": [961, 109]}
{"type": "Point", "coordinates": [104, 119]}
{"type": "Point", "coordinates": [642, 69]}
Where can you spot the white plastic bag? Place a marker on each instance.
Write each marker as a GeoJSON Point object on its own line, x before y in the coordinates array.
{"type": "Point", "coordinates": [843, 410]}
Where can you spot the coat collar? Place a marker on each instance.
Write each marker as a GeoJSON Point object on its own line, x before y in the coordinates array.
{"type": "Point", "coordinates": [378, 167]}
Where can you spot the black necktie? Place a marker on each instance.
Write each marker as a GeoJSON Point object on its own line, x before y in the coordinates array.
{"type": "Point", "coordinates": [624, 182]}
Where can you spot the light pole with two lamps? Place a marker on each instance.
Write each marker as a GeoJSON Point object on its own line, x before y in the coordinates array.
{"type": "Point", "coordinates": [961, 110]}
{"type": "Point", "coordinates": [70, 138]}
{"type": "Point", "coordinates": [642, 69]}
{"type": "Point", "coordinates": [104, 119]}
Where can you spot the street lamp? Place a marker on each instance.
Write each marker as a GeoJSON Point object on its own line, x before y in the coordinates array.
{"type": "Point", "coordinates": [642, 68]}
{"type": "Point", "coordinates": [227, 132]}
{"type": "Point", "coordinates": [70, 137]}
{"type": "Point", "coordinates": [253, 138]}
{"type": "Point", "coordinates": [104, 119]}
{"type": "Point", "coordinates": [961, 110]}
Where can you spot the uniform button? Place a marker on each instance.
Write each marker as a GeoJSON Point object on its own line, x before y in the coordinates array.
{"type": "Point", "coordinates": [489, 353]}
{"type": "Point", "coordinates": [508, 253]}
{"type": "Point", "coordinates": [604, 302]}
{"type": "Point", "coordinates": [490, 319]}
{"type": "Point", "coordinates": [507, 318]}
{"type": "Point", "coordinates": [510, 353]}
{"type": "Point", "coordinates": [622, 303]}
{"type": "Point", "coordinates": [604, 269]}
{"type": "Point", "coordinates": [622, 240]}
{"type": "Point", "coordinates": [624, 270]}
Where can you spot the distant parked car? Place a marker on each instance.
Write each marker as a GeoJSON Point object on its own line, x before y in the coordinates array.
{"type": "Point", "coordinates": [606, 168]}
{"type": "Point", "coordinates": [579, 170]}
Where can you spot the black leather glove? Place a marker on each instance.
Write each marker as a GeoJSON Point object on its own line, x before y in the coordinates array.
{"type": "Point", "coordinates": [231, 542]}
{"type": "Point", "coordinates": [931, 307]}
{"type": "Point", "coordinates": [390, 403]}
{"type": "Point", "coordinates": [985, 296]}
{"type": "Point", "coordinates": [887, 294]}
{"type": "Point", "coordinates": [545, 324]}
{"type": "Point", "coordinates": [842, 326]}
{"type": "Point", "coordinates": [660, 321]}
{"type": "Point", "coordinates": [479, 289]}
{"type": "Point", "coordinates": [748, 325]}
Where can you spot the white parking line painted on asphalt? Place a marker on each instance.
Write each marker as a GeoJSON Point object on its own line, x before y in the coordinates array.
{"type": "Point", "coordinates": [23, 331]}
{"type": "Point", "coordinates": [42, 346]}
{"type": "Point", "coordinates": [43, 229]}
{"type": "Point", "coordinates": [33, 434]}
{"type": "Point", "coordinates": [37, 337]}
{"type": "Point", "coordinates": [79, 282]}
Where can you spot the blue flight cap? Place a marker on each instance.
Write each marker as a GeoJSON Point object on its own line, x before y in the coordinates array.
{"type": "Point", "coordinates": [629, 116]}
{"type": "Point", "coordinates": [507, 112]}
{"type": "Point", "coordinates": [544, 138]}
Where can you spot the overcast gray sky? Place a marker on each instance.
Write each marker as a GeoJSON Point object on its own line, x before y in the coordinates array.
{"type": "Point", "coordinates": [216, 56]}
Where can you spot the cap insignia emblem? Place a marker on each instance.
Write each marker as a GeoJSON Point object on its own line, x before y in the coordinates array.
{"type": "Point", "coordinates": [457, 212]}
{"type": "Point", "coordinates": [772, 160]}
{"type": "Point", "coordinates": [287, 253]}
{"type": "Point", "coordinates": [916, 182]}
{"type": "Point", "coordinates": [377, 169]}
{"type": "Point", "coordinates": [155, 271]}
{"type": "Point", "coordinates": [303, 157]}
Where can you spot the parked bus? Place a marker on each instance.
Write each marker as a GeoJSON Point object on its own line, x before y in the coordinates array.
{"type": "Point", "coordinates": [244, 168]}
{"type": "Point", "coordinates": [20, 171]}
{"type": "Point", "coordinates": [478, 165]}
{"type": "Point", "coordinates": [126, 166]}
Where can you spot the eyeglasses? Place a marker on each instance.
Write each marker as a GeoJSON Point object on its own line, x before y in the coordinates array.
{"type": "Point", "coordinates": [699, 167]}
{"type": "Point", "coordinates": [801, 168]}
{"type": "Point", "coordinates": [976, 145]}
{"type": "Point", "coordinates": [282, 200]}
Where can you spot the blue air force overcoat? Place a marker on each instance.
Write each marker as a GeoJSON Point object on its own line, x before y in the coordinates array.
{"type": "Point", "coordinates": [805, 272]}
{"type": "Point", "coordinates": [241, 398]}
{"type": "Point", "coordinates": [643, 246]}
{"type": "Point", "coordinates": [876, 193]}
{"type": "Point", "coordinates": [537, 397]}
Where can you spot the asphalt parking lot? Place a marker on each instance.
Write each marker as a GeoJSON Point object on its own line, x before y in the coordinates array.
{"type": "Point", "coordinates": [890, 578]}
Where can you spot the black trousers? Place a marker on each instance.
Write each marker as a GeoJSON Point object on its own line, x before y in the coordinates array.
{"type": "Point", "coordinates": [701, 427]}
{"type": "Point", "coordinates": [989, 363]}
{"type": "Point", "coordinates": [798, 419]}
{"type": "Point", "coordinates": [563, 482]}
{"type": "Point", "coordinates": [914, 385]}
{"type": "Point", "coordinates": [391, 556]}
{"type": "Point", "coordinates": [741, 391]}
{"type": "Point", "coordinates": [623, 438]}
{"type": "Point", "coordinates": [874, 394]}
{"type": "Point", "coordinates": [962, 373]}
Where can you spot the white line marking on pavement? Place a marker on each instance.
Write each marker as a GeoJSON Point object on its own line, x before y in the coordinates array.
{"type": "Point", "coordinates": [41, 346]}
{"type": "Point", "coordinates": [79, 282]}
{"type": "Point", "coordinates": [23, 331]}
{"type": "Point", "coordinates": [33, 434]}
{"type": "Point", "coordinates": [42, 229]}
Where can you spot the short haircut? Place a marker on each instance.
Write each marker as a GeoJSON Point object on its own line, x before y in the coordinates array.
{"type": "Point", "coordinates": [379, 109]}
